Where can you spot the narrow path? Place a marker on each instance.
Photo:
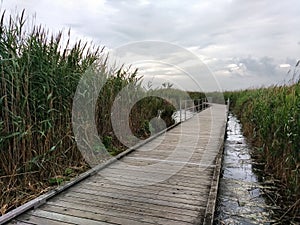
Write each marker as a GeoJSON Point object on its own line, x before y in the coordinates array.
{"type": "Point", "coordinates": [166, 181]}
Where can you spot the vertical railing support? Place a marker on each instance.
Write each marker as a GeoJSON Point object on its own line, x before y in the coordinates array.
{"type": "Point", "coordinates": [185, 110]}
{"type": "Point", "coordinates": [228, 104]}
{"type": "Point", "coordinates": [194, 107]}
{"type": "Point", "coordinates": [180, 110]}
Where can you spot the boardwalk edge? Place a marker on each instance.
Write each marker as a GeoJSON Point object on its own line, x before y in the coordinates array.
{"type": "Point", "coordinates": [213, 193]}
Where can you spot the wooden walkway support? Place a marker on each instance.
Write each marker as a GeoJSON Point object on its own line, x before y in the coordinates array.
{"type": "Point", "coordinates": [172, 180]}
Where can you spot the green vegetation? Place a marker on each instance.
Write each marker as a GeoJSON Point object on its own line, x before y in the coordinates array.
{"type": "Point", "coordinates": [39, 75]}
{"type": "Point", "coordinates": [271, 120]}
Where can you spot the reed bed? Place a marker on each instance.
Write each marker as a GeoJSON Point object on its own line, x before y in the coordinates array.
{"type": "Point", "coordinates": [271, 120]}
{"type": "Point", "coordinates": [39, 74]}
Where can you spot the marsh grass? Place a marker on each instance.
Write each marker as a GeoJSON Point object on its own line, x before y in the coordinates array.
{"type": "Point", "coordinates": [39, 74]}
{"type": "Point", "coordinates": [271, 119]}
{"type": "Point", "coordinates": [38, 78]}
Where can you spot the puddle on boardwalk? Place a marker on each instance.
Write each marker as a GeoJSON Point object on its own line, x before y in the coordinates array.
{"type": "Point", "coordinates": [240, 198]}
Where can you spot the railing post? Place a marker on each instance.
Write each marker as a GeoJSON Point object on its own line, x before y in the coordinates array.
{"type": "Point", "coordinates": [185, 110]}
{"type": "Point", "coordinates": [194, 107]}
{"type": "Point", "coordinates": [180, 110]}
{"type": "Point", "coordinates": [228, 104]}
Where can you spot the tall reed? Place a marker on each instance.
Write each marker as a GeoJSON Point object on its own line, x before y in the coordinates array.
{"type": "Point", "coordinates": [38, 79]}
{"type": "Point", "coordinates": [271, 119]}
{"type": "Point", "coordinates": [39, 74]}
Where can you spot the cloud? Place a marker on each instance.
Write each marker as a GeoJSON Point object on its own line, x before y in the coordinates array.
{"type": "Point", "coordinates": [243, 72]}
{"type": "Point", "coordinates": [284, 65]}
{"type": "Point", "coordinates": [236, 39]}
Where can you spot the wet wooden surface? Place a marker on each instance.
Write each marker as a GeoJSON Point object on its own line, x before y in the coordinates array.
{"type": "Point", "coordinates": [166, 181]}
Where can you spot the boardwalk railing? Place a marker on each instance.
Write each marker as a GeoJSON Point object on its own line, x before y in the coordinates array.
{"type": "Point", "coordinates": [188, 108]}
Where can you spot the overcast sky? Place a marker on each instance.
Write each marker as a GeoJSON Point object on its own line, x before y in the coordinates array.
{"type": "Point", "coordinates": [244, 43]}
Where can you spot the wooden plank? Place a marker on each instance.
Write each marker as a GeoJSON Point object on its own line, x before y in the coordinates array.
{"type": "Point", "coordinates": [27, 218]}
{"type": "Point", "coordinates": [193, 165]}
{"type": "Point", "coordinates": [138, 182]}
{"type": "Point", "coordinates": [184, 172]}
{"type": "Point", "coordinates": [58, 216]}
{"type": "Point", "coordinates": [75, 197]}
{"type": "Point", "coordinates": [195, 205]}
{"type": "Point", "coordinates": [134, 201]}
{"type": "Point", "coordinates": [166, 169]}
{"type": "Point", "coordinates": [165, 152]}
{"type": "Point", "coordinates": [175, 192]}
{"type": "Point", "coordinates": [131, 206]}
{"type": "Point", "coordinates": [21, 222]}
{"type": "Point", "coordinates": [143, 180]}
{"type": "Point", "coordinates": [157, 185]}
{"type": "Point", "coordinates": [150, 195]}
{"type": "Point", "coordinates": [112, 215]}
{"type": "Point", "coordinates": [173, 160]}
{"type": "Point", "coordinates": [157, 171]}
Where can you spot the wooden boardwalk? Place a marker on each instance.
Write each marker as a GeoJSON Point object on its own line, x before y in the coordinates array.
{"type": "Point", "coordinates": [169, 180]}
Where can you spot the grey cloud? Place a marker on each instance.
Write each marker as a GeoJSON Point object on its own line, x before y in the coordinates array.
{"type": "Point", "coordinates": [74, 25]}
{"type": "Point", "coordinates": [255, 35]}
{"type": "Point", "coordinates": [264, 66]}
{"type": "Point", "coordinates": [290, 61]}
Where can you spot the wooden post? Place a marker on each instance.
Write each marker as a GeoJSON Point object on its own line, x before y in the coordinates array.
{"type": "Point", "coordinates": [180, 110]}
{"type": "Point", "coordinates": [185, 110]}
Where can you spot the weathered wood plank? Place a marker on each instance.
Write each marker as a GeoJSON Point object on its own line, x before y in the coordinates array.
{"type": "Point", "coordinates": [127, 203]}
{"type": "Point", "coordinates": [170, 163]}
{"type": "Point", "coordinates": [153, 172]}
{"type": "Point", "coordinates": [139, 198]}
{"type": "Point", "coordinates": [157, 185]}
{"type": "Point", "coordinates": [199, 201]}
{"type": "Point", "coordinates": [132, 207]}
{"type": "Point", "coordinates": [27, 218]}
{"type": "Point", "coordinates": [113, 216]}
{"type": "Point", "coordinates": [141, 178]}
{"type": "Point", "coordinates": [174, 160]}
{"type": "Point", "coordinates": [58, 216]}
{"type": "Point", "coordinates": [16, 222]}
{"type": "Point", "coordinates": [172, 192]}
{"type": "Point", "coordinates": [196, 169]}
